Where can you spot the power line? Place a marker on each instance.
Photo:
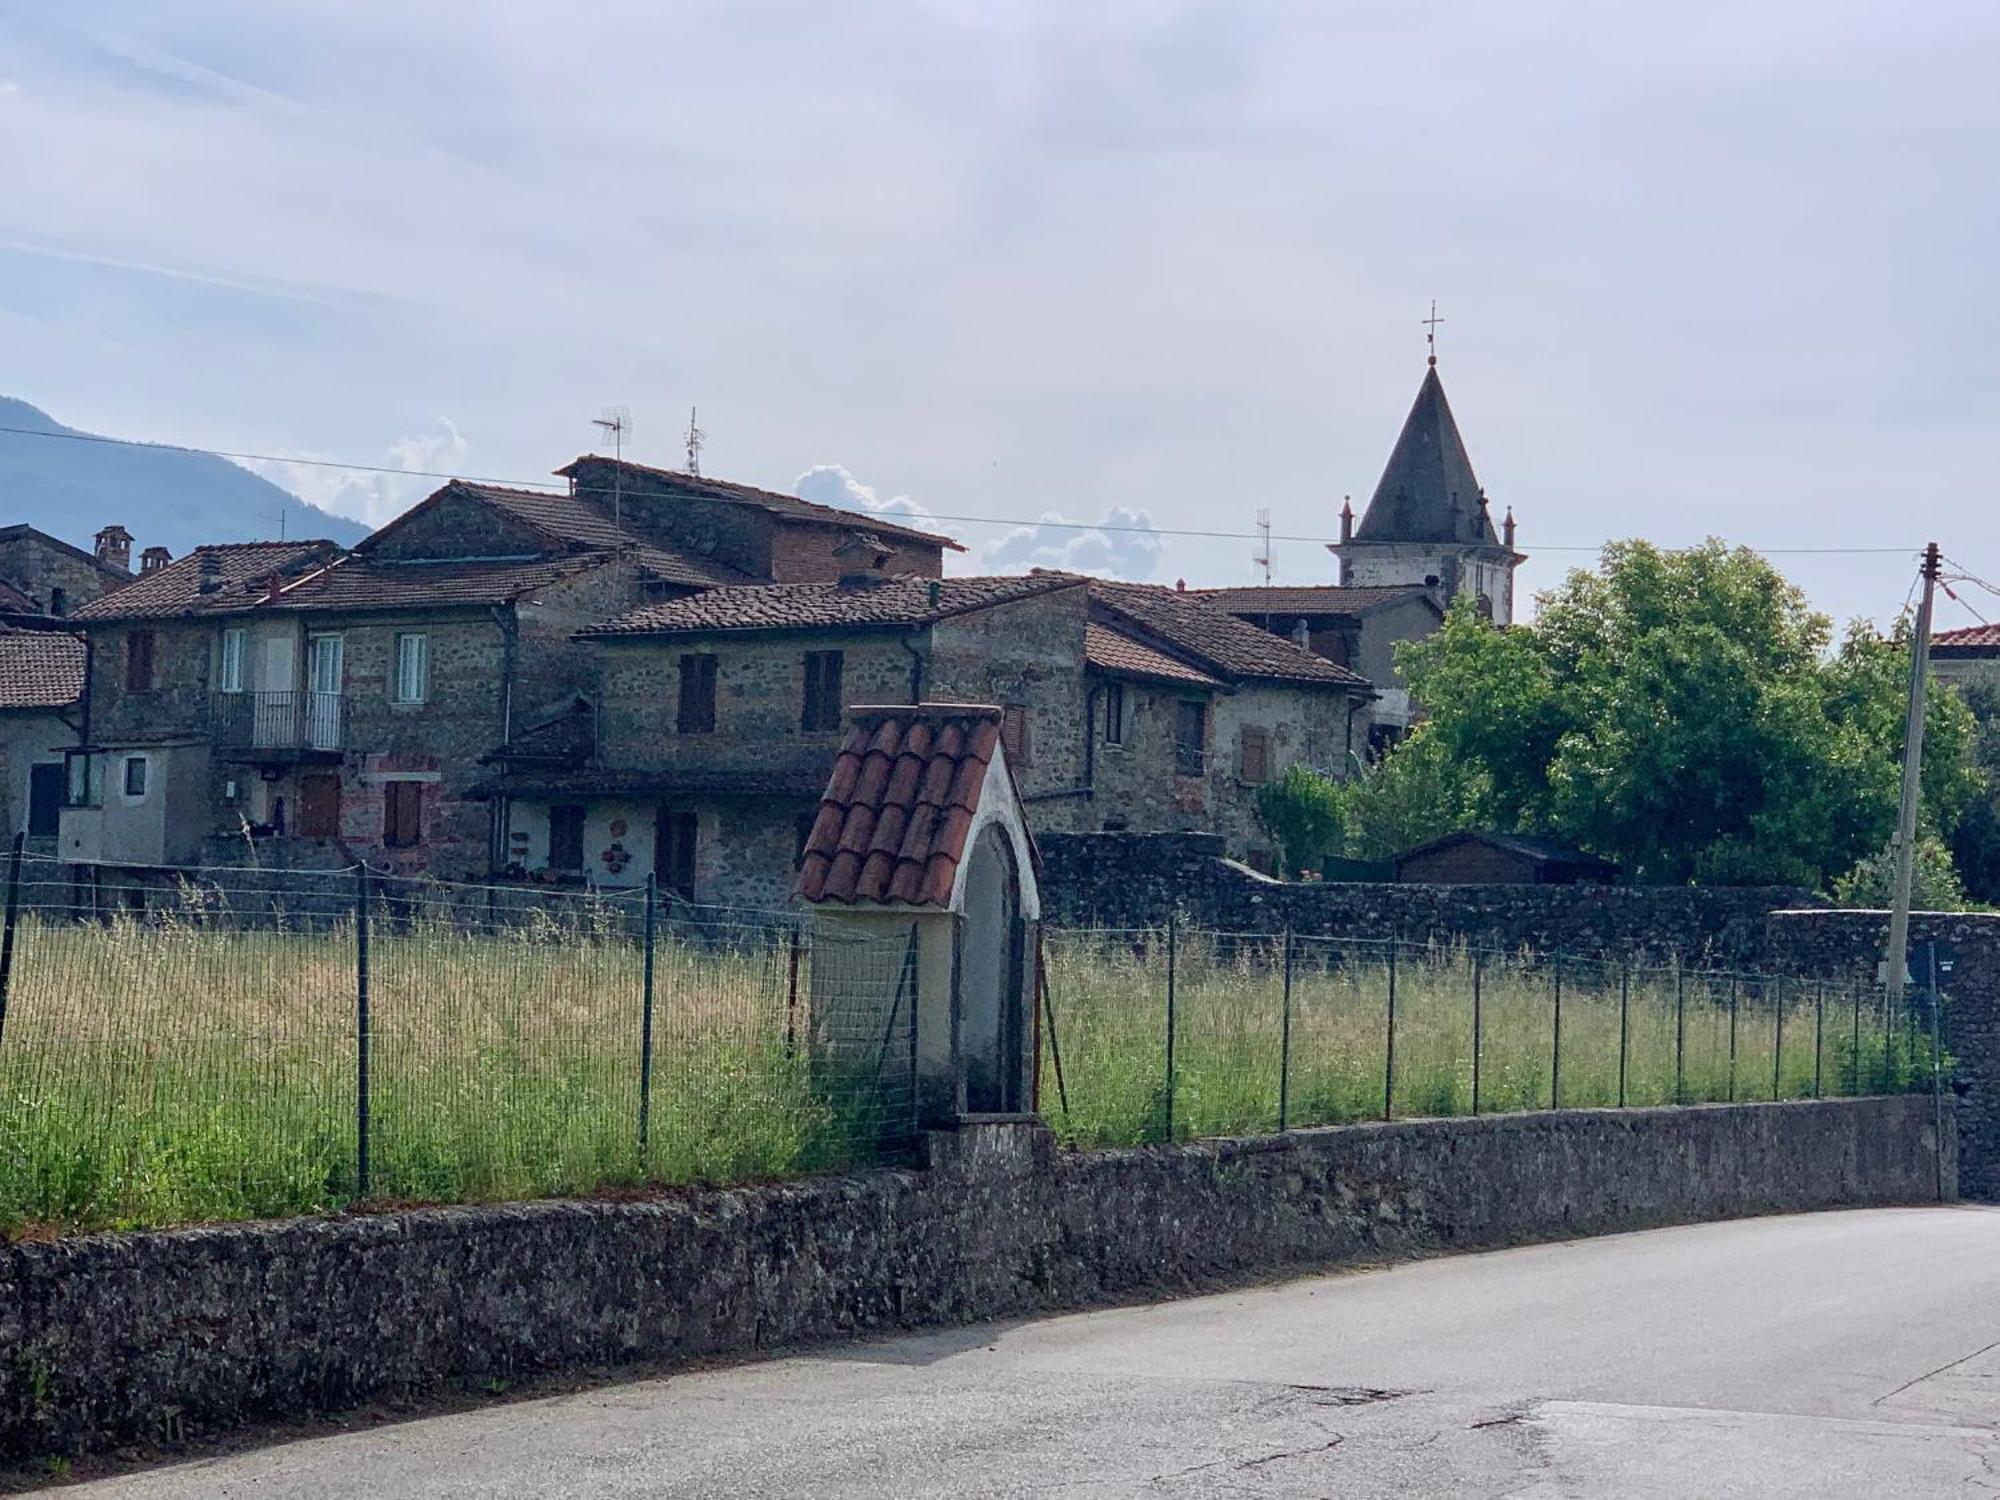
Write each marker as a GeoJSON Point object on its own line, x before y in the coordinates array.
{"type": "Point", "coordinates": [1011, 521]}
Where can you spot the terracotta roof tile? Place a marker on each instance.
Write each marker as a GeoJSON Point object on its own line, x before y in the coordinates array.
{"type": "Point", "coordinates": [40, 669]}
{"type": "Point", "coordinates": [828, 606]}
{"type": "Point", "coordinates": [359, 582]}
{"type": "Point", "coordinates": [1213, 638]}
{"type": "Point", "coordinates": [899, 804]}
{"type": "Point", "coordinates": [225, 579]}
{"type": "Point", "coordinates": [1110, 651]}
{"type": "Point", "coordinates": [1326, 599]}
{"type": "Point", "coordinates": [1970, 640]}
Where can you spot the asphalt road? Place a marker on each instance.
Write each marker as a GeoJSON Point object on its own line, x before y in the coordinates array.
{"type": "Point", "coordinates": [1831, 1354]}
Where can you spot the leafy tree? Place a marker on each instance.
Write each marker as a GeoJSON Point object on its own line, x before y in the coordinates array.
{"type": "Point", "coordinates": [1684, 713]}
{"type": "Point", "coordinates": [1934, 882]}
{"type": "Point", "coordinates": [1418, 793]}
{"type": "Point", "coordinates": [1976, 840]}
{"type": "Point", "coordinates": [1301, 810]}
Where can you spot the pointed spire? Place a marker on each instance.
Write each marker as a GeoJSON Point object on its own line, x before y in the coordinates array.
{"type": "Point", "coordinates": [1507, 528]}
{"type": "Point", "coordinates": [1347, 518]}
{"type": "Point", "coordinates": [1425, 491]}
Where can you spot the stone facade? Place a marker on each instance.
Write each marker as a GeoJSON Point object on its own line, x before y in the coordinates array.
{"type": "Point", "coordinates": [1139, 880]}
{"type": "Point", "coordinates": [30, 739]}
{"type": "Point", "coordinates": [122, 1338]}
{"type": "Point", "coordinates": [57, 576]}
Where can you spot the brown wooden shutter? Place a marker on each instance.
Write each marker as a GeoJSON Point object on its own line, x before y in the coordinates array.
{"type": "Point", "coordinates": [319, 807]}
{"type": "Point", "coordinates": [402, 814]}
{"type": "Point", "coordinates": [674, 835]}
{"type": "Point", "coordinates": [1014, 736]}
{"type": "Point", "coordinates": [1256, 756]}
{"type": "Point", "coordinates": [566, 839]}
{"type": "Point", "coordinates": [139, 661]}
{"type": "Point", "coordinates": [697, 705]}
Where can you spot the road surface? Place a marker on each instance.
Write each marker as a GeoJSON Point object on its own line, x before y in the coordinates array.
{"type": "Point", "coordinates": [1832, 1354]}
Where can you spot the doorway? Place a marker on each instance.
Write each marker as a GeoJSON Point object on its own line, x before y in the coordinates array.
{"type": "Point", "coordinates": [992, 1017]}
{"type": "Point", "coordinates": [45, 799]}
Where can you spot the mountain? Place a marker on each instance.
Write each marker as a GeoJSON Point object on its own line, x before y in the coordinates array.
{"type": "Point", "coordinates": [165, 497]}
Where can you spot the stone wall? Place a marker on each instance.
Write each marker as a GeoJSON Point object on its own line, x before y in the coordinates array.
{"type": "Point", "coordinates": [1138, 880]}
{"type": "Point", "coordinates": [39, 566]}
{"type": "Point", "coordinates": [1843, 943]}
{"type": "Point", "coordinates": [112, 1339]}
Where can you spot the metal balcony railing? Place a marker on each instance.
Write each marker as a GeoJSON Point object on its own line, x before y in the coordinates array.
{"type": "Point", "coordinates": [279, 721]}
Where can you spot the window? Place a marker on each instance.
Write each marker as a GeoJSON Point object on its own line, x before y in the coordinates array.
{"type": "Point", "coordinates": [58, 601]}
{"type": "Point", "coordinates": [1014, 736]}
{"type": "Point", "coordinates": [319, 807]}
{"type": "Point", "coordinates": [413, 668]}
{"type": "Point", "coordinates": [697, 711]}
{"type": "Point", "coordinates": [822, 695]}
{"type": "Point", "coordinates": [1114, 713]}
{"type": "Point", "coordinates": [566, 838]}
{"type": "Point", "coordinates": [135, 775]}
{"type": "Point", "coordinates": [1190, 736]}
{"type": "Point", "coordinates": [83, 783]}
{"type": "Point", "coordinates": [139, 662]}
{"type": "Point", "coordinates": [675, 832]}
{"type": "Point", "coordinates": [1255, 756]}
{"type": "Point", "coordinates": [402, 814]}
{"type": "Point", "coordinates": [229, 665]}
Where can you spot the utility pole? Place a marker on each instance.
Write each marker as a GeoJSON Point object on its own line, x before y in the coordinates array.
{"type": "Point", "coordinates": [1895, 967]}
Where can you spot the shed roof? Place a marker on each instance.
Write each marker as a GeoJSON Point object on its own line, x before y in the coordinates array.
{"type": "Point", "coordinates": [1971, 640]}
{"type": "Point", "coordinates": [40, 669]}
{"type": "Point", "coordinates": [1528, 846]}
{"type": "Point", "coordinates": [1215, 639]}
{"type": "Point", "coordinates": [1111, 651]}
{"type": "Point", "coordinates": [898, 810]}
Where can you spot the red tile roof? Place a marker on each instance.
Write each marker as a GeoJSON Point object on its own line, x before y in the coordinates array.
{"type": "Point", "coordinates": [1309, 600]}
{"type": "Point", "coordinates": [1213, 638]}
{"type": "Point", "coordinates": [1971, 640]}
{"type": "Point", "coordinates": [13, 599]}
{"type": "Point", "coordinates": [40, 669]}
{"type": "Point", "coordinates": [221, 579]}
{"type": "Point", "coordinates": [1109, 651]}
{"type": "Point", "coordinates": [790, 507]}
{"type": "Point", "coordinates": [359, 582]}
{"type": "Point", "coordinates": [893, 822]}
{"type": "Point", "coordinates": [830, 606]}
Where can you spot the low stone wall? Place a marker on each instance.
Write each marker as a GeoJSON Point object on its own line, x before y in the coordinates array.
{"type": "Point", "coordinates": [1139, 879]}
{"type": "Point", "coordinates": [1844, 943]}
{"type": "Point", "coordinates": [159, 1337]}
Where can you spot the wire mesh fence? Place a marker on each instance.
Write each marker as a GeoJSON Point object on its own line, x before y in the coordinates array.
{"type": "Point", "coordinates": [173, 1051]}
{"type": "Point", "coordinates": [253, 1042]}
{"type": "Point", "coordinates": [1172, 1033]}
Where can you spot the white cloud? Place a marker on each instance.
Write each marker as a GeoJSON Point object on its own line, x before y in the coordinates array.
{"type": "Point", "coordinates": [832, 484]}
{"type": "Point", "coordinates": [374, 497]}
{"type": "Point", "coordinates": [1122, 545]}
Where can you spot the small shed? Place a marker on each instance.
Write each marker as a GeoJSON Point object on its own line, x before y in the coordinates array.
{"type": "Point", "coordinates": [920, 838]}
{"type": "Point", "coordinates": [1474, 858]}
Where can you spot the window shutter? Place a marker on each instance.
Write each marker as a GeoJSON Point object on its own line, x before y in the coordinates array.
{"type": "Point", "coordinates": [1014, 735]}
{"type": "Point", "coordinates": [1256, 756]}
{"type": "Point", "coordinates": [139, 661]}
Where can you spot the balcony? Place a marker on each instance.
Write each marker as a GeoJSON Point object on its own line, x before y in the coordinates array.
{"type": "Point", "coordinates": [280, 728]}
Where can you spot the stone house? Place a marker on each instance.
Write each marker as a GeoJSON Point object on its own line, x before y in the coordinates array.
{"type": "Point", "coordinates": [715, 717]}
{"type": "Point", "coordinates": [1358, 627]}
{"type": "Point", "coordinates": [46, 575]}
{"type": "Point", "coordinates": [41, 691]}
{"type": "Point", "coordinates": [1968, 656]}
{"type": "Point", "coordinates": [1475, 858]}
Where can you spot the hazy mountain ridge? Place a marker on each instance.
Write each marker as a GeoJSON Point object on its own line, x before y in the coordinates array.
{"type": "Point", "coordinates": [164, 496]}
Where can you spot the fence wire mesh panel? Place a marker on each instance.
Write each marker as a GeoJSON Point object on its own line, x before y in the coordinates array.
{"type": "Point", "coordinates": [1339, 1057]}
{"type": "Point", "coordinates": [1106, 992]}
{"type": "Point", "coordinates": [1228, 1048]}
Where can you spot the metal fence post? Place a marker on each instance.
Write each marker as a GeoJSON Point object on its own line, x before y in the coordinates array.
{"type": "Point", "coordinates": [1624, 1021]}
{"type": "Point", "coordinates": [1819, 1035]}
{"type": "Point", "coordinates": [1173, 958]}
{"type": "Point", "coordinates": [1778, 1043]}
{"type": "Point", "coordinates": [792, 995]}
{"type": "Point", "coordinates": [1285, 1043]}
{"type": "Point", "coordinates": [1937, 1069]}
{"type": "Point", "coordinates": [646, 1016]}
{"type": "Point", "coordinates": [7, 939]}
{"type": "Point", "coordinates": [1556, 1053]}
{"type": "Point", "coordinates": [1389, 1047]}
{"type": "Point", "coordinates": [361, 1027]}
{"type": "Point", "coordinates": [1854, 1061]}
{"type": "Point", "coordinates": [1049, 1012]}
{"type": "Point", "coordinates": [1680, 1032]}
{"type": "Point", "coordinates": [1478, 1021]}
{"type": "Point", "coordinates": [1734, 991]}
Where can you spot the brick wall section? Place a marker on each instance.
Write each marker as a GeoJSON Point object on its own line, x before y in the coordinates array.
{"type": "Point", "coordinates": [1844, 943]}
{"type": "Point", "coordinates": [106, 1335]}
{"type": "Point", "coordinates": [1137, 880]}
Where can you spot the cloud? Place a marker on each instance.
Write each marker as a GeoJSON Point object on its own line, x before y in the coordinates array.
{"type": "Point", "coordinates": [372, 497]}
{"type": "Point", "coordinates": [1122, 545]}
{"type": "Point", "coordinates": [832, 484]}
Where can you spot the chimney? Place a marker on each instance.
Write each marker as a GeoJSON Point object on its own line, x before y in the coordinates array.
{"type": "Point", "coordinates": [1180, 585]}
{"type": "Point", "coordinates": [153, 559]}
{"type": "Point", "coordinates": [864, 559]}
{"type": "Point", "coordinates": [114, 546]}
{"type": "Point", "coordinates": [211, 571]}
{"type": "Point", "coordinates": [1301, 635]}
{"type": "Point", "coordinates": [1347, 518]}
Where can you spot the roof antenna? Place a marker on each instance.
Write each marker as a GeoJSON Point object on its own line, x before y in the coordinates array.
{"type": "Point", "coordinates": [1431, 332]}
{"type": "Point", "coordinates": [1261, 558]}
{"type": "Point", "coordinates": [277, 515]}
{"type": "Point", "coordinates": [616, 422]}
{"type": "Point", "coordinates": [694, 437]}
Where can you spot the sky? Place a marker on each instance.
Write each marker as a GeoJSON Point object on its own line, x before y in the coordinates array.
{"type": "Point", "coordinates": [1705, 269]}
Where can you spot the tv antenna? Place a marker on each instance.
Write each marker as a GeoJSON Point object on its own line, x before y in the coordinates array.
{"type": "Point", "coordinates": [694, 439]}
{"type": "Point", "coordinates": [1261, 558]}
{"type": "Point", "coordinates": [277, 515]}
{"type": "Point", "coordinates": [616, 424]}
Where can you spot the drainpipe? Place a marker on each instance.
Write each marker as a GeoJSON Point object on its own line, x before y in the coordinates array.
{"type": "Point", "coordinates": [908, 643]}
{"type": "Point", "coordinates": [508, 623]}
{"type": "Point", "coordinates": [1090, 737]}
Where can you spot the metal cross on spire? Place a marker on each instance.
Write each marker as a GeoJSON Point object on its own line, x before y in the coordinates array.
{"type": "Point", "coordinates": [1431, 331]}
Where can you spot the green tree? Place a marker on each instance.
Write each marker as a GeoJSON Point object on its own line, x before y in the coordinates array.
{"type": "Point", "coordinates": [1418, 793]}
{"type": "Point", "coordinates": [1684, 713]}
{"type": "Point", "coordinates": [1976, 840]}
{"type": "Point", "coordinates": [1301, 810]}
{"type": "Point", "coordinates": [1934, 882]}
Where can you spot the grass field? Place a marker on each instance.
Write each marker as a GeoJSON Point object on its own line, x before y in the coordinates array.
{"type": "Point", "coordinates": [176, 1070]}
